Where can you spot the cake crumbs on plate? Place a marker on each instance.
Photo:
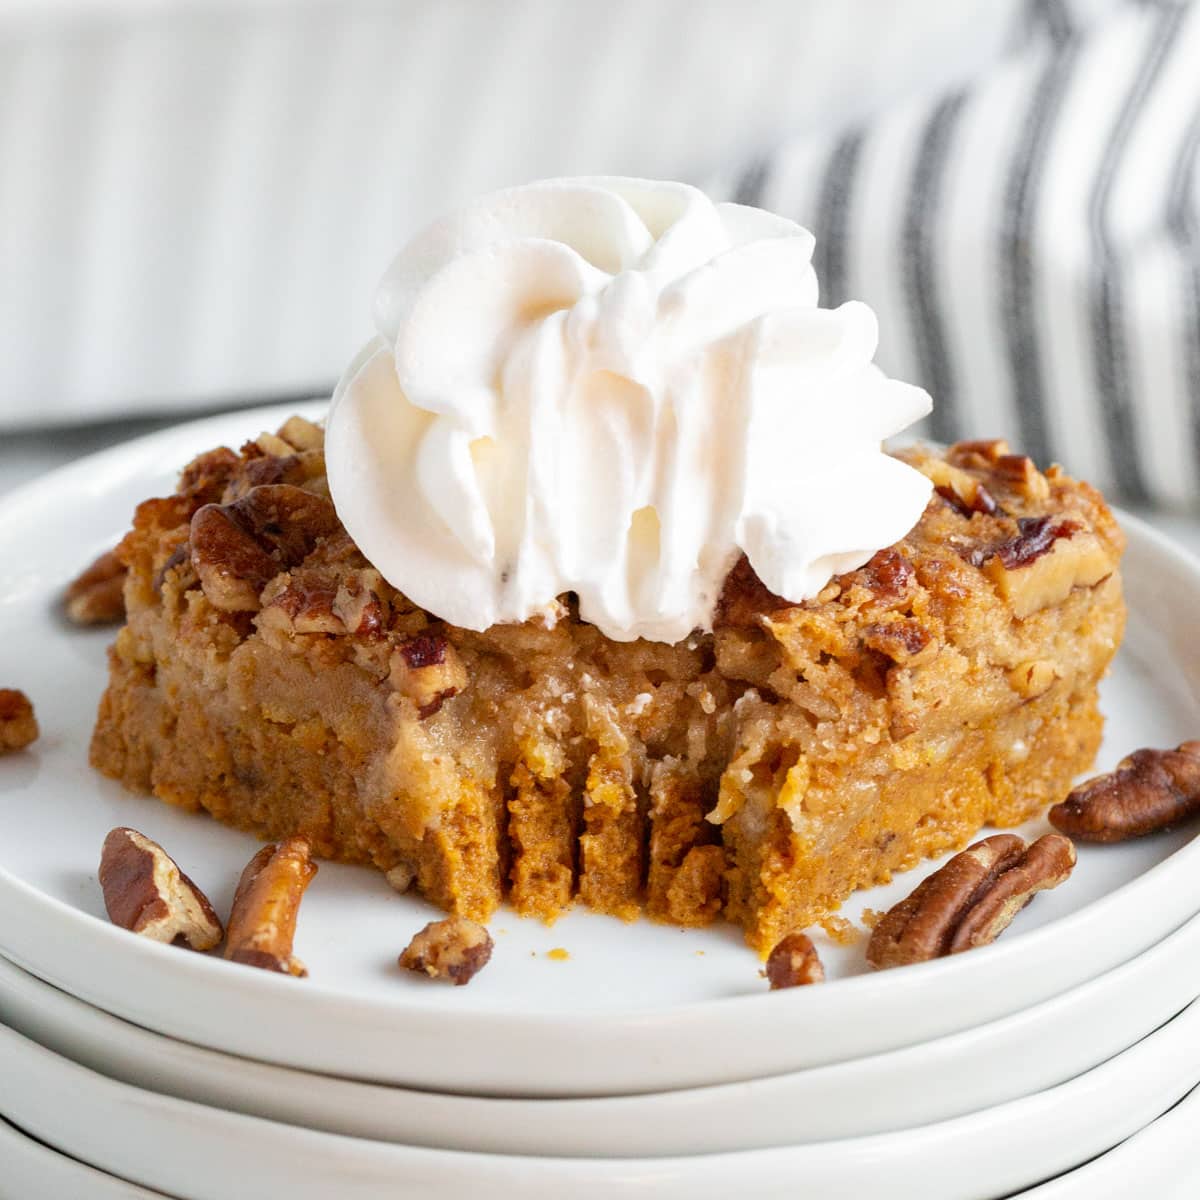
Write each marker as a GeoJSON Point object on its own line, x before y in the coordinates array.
{"type": "Point", "coordinates": [841, 931]}
{"type": "Point", "coordinates": [871, 917]}
{"type": "Point", "coordinates": [558, 954]}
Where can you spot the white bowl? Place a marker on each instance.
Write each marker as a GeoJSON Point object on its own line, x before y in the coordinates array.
{"type": "Point", "coordinates": [201, 1153]}
{"type": "Point", "coordinates": [1017, 1056]}
{"type": "Point", "coordinates": [637, 1007]}
{"type": "Point", "coordinates": [32, 1171]}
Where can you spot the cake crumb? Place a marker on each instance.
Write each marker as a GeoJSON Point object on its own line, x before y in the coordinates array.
{"type": "Point", "coordinates": [558, 954]}
{"type": "Point", "coordinates": [840, 931]}
{"type": "Point", "coordinates": [871, 917]}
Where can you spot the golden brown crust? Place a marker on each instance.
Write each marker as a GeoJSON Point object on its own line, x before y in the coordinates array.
{"type": "Point", "coordinates": [764, 770]}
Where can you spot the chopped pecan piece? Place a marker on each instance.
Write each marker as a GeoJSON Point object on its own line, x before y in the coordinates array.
{"type": "Point", "coordinates": [1150, 790]}
{"type": "Point", "coordinates": [962, 490]}
{"type": "Point", "coordinates": [146, 892]}
{"type": "Point", "coordinates": [1032, 679]}
{"type": "Point", "coordinates": [236, 548]}
{"type": "Point", "coordinates": [981, 453]}
{"type": "Point", "coordinates": [794, 963]}
{"type": "Point", "coordinates": [18, 725]}
{"type": "Point", "coordinates": [359, 604]}
{"type": "Point", "coordinates": [97, 597]}
{"type": "Point", "coordinates": [428, 670]}
{"type": "Point", "coordinates": [180, 561]}
{"type": "Point", "coordinates": [262, 924]}
{"type": "Point", "coordinates": [900, 640]}
{"type": "Point", "coordinates": [401, 877]}
{"type": "Point", "coordinates": [971, 900]}
{"type": "Point", "coordinates": [302, 434]}
{"type": "Point", "coordinates": [204, 478]}
{"type": "Point", "coordinates": [1021, 474]}
{"type": "Point", "coordinates": [745, 598]}
{"type": "Point", "coordinates": [302, 602]}
{"type": "Point", "coordinates": [1047, 558]}
{"type": "Point", "coordinates": [274, 445]}
{"type": "Point", "coordinates": [981, 501]}
{"type": "Point", "coordinates": [454, 949]}
{"type": "Point", "coordinates": [1037, 536]}
{"type": "Point", "coordinates": [888, 575]}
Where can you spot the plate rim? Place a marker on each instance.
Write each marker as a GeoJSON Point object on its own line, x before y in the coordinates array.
{"type": "Point", "coordinates": [1037, 1111]}
{"type": "Point", "coordinates": [315, 996]}
{"type": "Point", "coordinates": [147, 1045]}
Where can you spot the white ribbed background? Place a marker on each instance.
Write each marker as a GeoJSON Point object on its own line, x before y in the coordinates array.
{"type": "Point", "coordinates": [197, 200]}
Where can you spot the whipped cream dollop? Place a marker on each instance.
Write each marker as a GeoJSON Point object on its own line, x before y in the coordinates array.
{"type": "Point", "coordinates": [615, 387]}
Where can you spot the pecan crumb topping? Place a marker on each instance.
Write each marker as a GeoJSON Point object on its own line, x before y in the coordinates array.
{"type": "Point", "coordinates": [1036, 537]}
{"type": "Point", "coordinates": [238, 548]}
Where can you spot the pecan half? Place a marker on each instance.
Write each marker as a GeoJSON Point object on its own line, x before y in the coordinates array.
{"type": "Point", "coordinates": [146, 892]}
{"type": "Point", "coordinates": [428, 670]}
{"type": "Point", "coordinates": [262, 924]}
{"type": "Point", "coordinates": [1150, 790]}
{"type": "Point", "coordinates": [236, 548]}
{"type": "Point", "coordinates": [454, 949]}
{"type": "Point", "coordinates": [971, 900]}
{"type": "Point", "coordinates": [97, 597]}
{"type": "Point", "coordinates": [794, 963]}
{"type": "Point", "coordinates": [18, 725]}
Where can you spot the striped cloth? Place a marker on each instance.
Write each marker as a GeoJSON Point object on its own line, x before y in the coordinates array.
{"type": "Point", "coordinates": [1031, 242]}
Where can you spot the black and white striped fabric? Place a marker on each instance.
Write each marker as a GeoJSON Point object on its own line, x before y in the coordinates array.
{"type": "Point", "coordinates": [1031, 242]}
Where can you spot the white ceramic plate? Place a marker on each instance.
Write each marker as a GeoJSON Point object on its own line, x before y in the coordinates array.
{"type": "Point", "coordinates": [1017, 1056]}
{"type": "Point", "coordinates": [32, 1171]}
{"type": "Point", "coordinates": [1159, 1162]}
{"type": "Point", "coordinates": [636, 1007]}
{"type": "Point", "coordinates": [203, 1153]}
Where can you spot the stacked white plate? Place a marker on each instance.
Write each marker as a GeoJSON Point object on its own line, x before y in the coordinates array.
{"type": "Point", "coordinates": [649, 1061]}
